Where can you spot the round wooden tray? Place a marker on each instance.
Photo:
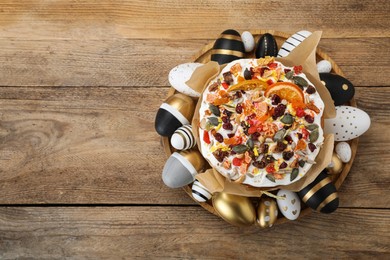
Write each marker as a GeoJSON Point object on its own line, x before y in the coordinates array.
{"type": "Point", "coordinates": [203, 56]}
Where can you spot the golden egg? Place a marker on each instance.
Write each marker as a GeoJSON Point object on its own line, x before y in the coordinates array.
{"type": "Point", "coordinates": [195, 158]}
{"type": "Point", "coordinates": [336, 166]}
{"type": "Point", "coordinates": [267, 212]}
{"type": "Point", "coordinates": [237, 210]}
{"type": "Point", "coordinates": [183, 104]}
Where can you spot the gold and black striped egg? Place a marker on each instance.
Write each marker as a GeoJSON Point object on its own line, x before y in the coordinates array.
{"type": "Point", "coordinates": [228, 47]}
{"type": "Point", "coordinates": [321, 194]}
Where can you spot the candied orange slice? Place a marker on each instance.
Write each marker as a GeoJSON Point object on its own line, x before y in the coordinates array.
{"type": "Point", "coordinates": [249, 85]}
{"type": "Point", "coordinates": [286, 90]}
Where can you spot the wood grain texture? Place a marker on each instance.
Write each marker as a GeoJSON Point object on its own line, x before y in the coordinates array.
{"type": "Point", "coordinates": [190, 232]}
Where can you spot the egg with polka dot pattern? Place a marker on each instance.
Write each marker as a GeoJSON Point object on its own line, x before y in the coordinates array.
{"type": "Point", "coordinates": [349, 123]}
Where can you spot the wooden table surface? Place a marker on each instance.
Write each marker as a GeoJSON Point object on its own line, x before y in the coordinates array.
{"type": "Point", "coordinates": [81, 163]}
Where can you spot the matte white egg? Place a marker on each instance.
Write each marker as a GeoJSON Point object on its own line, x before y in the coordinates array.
{"type": "Point", "coordinates": [248, 40]}
{"type": "Point", "coordinates": [290, 206]}
{"type": "Point", "coordinates": [324, 66]}
{"type": "Point", "coordinates": [344, 151]}
{"type": "Point", "coordinates": [183, 138]}
{"type": "Point", "coordinates": [200, 192]}
{"type": "Point", "coordinates": [293, 42]}
{"type": "Point", "coordinates": [179, 75]}
{"type": "Point", "coordinates": [349, 123]}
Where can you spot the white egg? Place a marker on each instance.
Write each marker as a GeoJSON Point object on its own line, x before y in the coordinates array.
{"type": "Point", "coordinates": [183, 138]}
{"type": "Point", "coordinates": [349, 123]}
{"type": "Point", "coordinates": [324, 66]}
{"type": "Point", "coordinates": [248, 40]}
{"type": "Point", "coordinates": [290, 206]}
{"type": "Point", "coordinates": [293, 42]}
{"type": "Point", "coordinates": [344, 151]}
{"type": "Point", "coordinates": [179, 75]}
{"type": "Point", "coordinates": [200, 192]}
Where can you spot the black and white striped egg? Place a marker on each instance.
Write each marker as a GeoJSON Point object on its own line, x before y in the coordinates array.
{"type": "Point", "coordinates": [183, 138]}
{"type": "Point", "coordinates": [321, 194]}
{"type": "Point", "coordinates": [266, 46]}
{"type": "Point", "coordinates": [341, 89]}
{"type": "Point", "coordinates": [200, 192]}
{"type": "Point", "coordinates": [228, 47]}
{"type": "Point", "coordinates": [293, 42]}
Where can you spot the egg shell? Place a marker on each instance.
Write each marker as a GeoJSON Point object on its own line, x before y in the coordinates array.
{"type": "Point", "coordinates": [349, 123]}
{"type": "Point", "coordinates": [293, 42]}
{"type": "Point", "coordinates": [344, 151]}
{"type": "Point", "coordinates": [267, 212]}
{"type": "Point", "coordinates": [324, 66]}
{"type": "Point", "coordinates": [321, 194]}
{"type": "Point", "coordinates": [248, 40]}
{"type": "Point", "coordinates": [290, 206]}
{"type": "Point", "coordinates": [341, 89]}
{"type": "Point", "coordinates": [228, 47]}
{"type": "Point", "coordinates": [183, 138]}
{"type": "Point", "coordinates": [181, 167]}
{"type": "Point", "coordinates": [175, 112]}
{"type": "Point", "coordinates": [266, 46]}
{"type": "Point", "coordinates": [336, 165]}
{"type": "Point", "coordinates": [179, 75]}
{"type": "Point", "coordinates": [200, 192]}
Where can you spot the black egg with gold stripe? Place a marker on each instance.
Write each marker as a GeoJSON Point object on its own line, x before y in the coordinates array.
{"type": "Point", "coordinates": [228, 47]}
{"type": "Point", "coordinates": [321, 194]}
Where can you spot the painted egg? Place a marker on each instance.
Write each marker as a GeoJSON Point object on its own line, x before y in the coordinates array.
{"type": "Point", "coordinates": [237, 210]}
{"type": "Point", "coordinates": [228, 47]}
{"type": "Point", "coordinates": [266, 46]}
{"type": "Point", "coordinates": [183, 138]}
{"type": "Point", "coordinates": [344, 151]}
{"type": "Point", "coordinates": [267, 212]}
{"type": "Point", "coordinates": [179, 75]}
{"type": "Point", "coordinates": [341, 89]}
{"type": "Point", "coordinates": [200, 192]}
{"type": "Point", "coordinates": [350, 122]}
{"type": "Point", "coordinates": [248, 41]}
{"type": "Point", "coordinates": [181, 168]}
{"type": "Point", "coordinates": [290, 206]}
{"type": "Point", "coordinates": [336, 165]}
{"type": "Point", "coordinates": [324, 66]}
{"type": "Point", "coordinates": [293, 42]}
{"type": "Point", "coordinates": [175, 112]}
{"type": "Point", "coordinates": [321, 194]}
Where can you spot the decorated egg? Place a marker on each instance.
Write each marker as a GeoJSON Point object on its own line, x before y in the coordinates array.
{"type": "Point", "coordinates": [248, 41]}
{"type": "Point", "coordinates": [293, 42]}
{"type": "Point", "coordinates": [324, 66]}
{"type": "Point", "coordinates": [266, 46]}
{"type": "Point", "coordinates": [179, 75]}
{"type": "Point", "coordinates": [175, 112]}
{"type": "Point", "coordinates": [321, 194]}
{"type": "Point", "coordinates": [200, 192]}
{"type": "Point", "coordinates": [228, 47]}
{"type": "Point", "coordinates": [183, 138]}
{"type": "Point", "coordinates": [181, 168]}
{"type": "Point", "coordinates": [344, 151]}
{"type": "Point", "coordinates": [336, 165]}
{"type": "Point", "coordinates": [267, 212]}
{"type": "Point", "coordinates": [341, 89]}
{"type": "Point", "coordinates": [290, 206]}
{"type": "Point", "coordinates": [350, 122]}
{"type": "Point", "coordinates": [237, 210]}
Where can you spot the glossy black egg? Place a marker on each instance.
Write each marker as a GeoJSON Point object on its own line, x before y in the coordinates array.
{"type": "Point", "coordinates": [341, 89]}
{"type": "Point", "coordinates": [321, 194]}
{"type": "Point", "coordinates": [228, 47]}
{"type": "Point", "coordinates": [266, 46]}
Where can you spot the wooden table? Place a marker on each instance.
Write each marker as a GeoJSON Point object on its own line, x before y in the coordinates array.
{"type": "Point", "coordinates": [80, 161]}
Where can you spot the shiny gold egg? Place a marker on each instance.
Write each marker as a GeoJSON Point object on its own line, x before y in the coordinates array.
{"type": "Point", "coordinates": [195, 158]}
{"type": "Point", "coordinates": [182, 103]}
{"type": "Point", "coordinates": [267, 212]}
{"type": "Point", "coordinates": [336, 166]}
{"type": "Point", "coordinates": [237, 210]}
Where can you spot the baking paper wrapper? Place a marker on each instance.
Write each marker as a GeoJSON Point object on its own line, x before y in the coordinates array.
{"type": "Point", "coordinates": [305, 55]}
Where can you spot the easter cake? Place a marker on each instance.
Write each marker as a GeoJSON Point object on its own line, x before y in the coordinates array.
{"type": "Point", "coordinates": [260, 122]}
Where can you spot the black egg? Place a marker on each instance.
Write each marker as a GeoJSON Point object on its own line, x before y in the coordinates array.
{"type": "Point", "coordinates": [228, 47]}
{"type": "Point", "coordinates": [321, 194]}
{"type": "Point", "coordinates": [266, 46]}
{"type": "Point", "coordinates": [341, 89]}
